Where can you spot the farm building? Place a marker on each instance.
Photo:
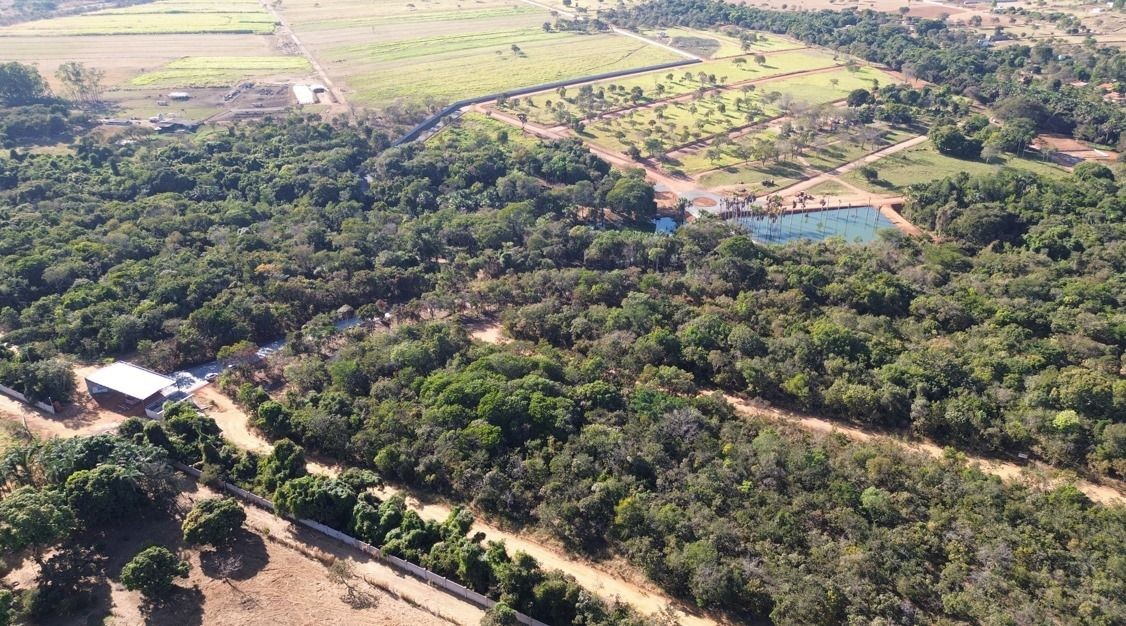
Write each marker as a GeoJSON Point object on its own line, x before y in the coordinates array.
{"type": "Point", "coordinates": [304, 95]}
{"type": "Point", "coordinates": [125, 388]}
{"type": "Point", "coordinates": [176, 126]}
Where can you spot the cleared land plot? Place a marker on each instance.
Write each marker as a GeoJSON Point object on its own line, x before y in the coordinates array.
{"type": "Point", "coordinates": [450, 49]}
{"type": "Point", "coordinates": [472, 128]}
{"type": "Point", "coordinates": [828, 151]}
{"type": "Point", "coordinates": [178, 16]}
{"type": "Point", "coordinates": [123, 57]}
{"type": "Point", "coordinates": [219, 71]}
{"type": "Point", "coordinates": [714, 45]}
{"type": "Point", "coordinates": [923, 164]}
{"type": "Point", "coordinates": [619, 93]}
{"type": "Point", "coordinates": [720, 113]}
{"type": "Point", "coordinates": [482, 63]}
{"type": "Point", "coordinates": [829, 86]}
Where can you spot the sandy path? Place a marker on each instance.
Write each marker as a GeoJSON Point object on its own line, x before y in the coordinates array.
{"type": "Point", "coordinates": [831, 175]}
{"type": "Point", "coordinates": [339, 104]}
{"type": "Point", "coordinates": [1036, 475]}
{"type": "Point", "coordinates": [642, 596]}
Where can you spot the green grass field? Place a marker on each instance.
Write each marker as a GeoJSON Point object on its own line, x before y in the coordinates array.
{"type": "Point", "coordinates": [923, 164]}
{"type": "Point", "coordinates": [449, 68]}
{"type": "Point", "coordinates": [666, 84]}
{"type": "Point", "coordinates": [175, 16]}
{"type": "Point", "coordinates": [829, 188]}
{"type": "Point", "coordinates": [826, 153]}
{"type": "Point", "coordinates": [829, 86]}
{"type": "Point", "coordinates": [473, 128]}
{"type": "Point", "coordinates": [218, 71]}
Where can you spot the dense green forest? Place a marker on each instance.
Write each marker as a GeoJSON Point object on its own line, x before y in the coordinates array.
{"type": "Point", "coordinates": [603, 423]}
{"type": "Point", "coordinates": [59, 500]}
{"type": "Point", "coordinates": [181, 248]}
{"type": "Point", "coordinates": [1031, 81]}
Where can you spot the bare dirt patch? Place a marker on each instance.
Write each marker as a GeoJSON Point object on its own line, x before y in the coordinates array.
{"type": "Point", "coordinates": [264, 577]}
{"type": "Point", "coordinates": [488, 332]}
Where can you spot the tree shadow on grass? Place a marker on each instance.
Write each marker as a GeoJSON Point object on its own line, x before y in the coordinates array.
{"type": "Point", "coordinates": [182, 607]}
{"type": "Point", "coordinates": [241, 559]}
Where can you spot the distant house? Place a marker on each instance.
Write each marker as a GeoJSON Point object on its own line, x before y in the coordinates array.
{"type": "Point", "coordinates": [176, 126]}
{"type": "Point", "coordinates": [125, 388]}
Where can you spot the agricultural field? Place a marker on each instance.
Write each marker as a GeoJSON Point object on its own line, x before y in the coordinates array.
{"type": "Point", "coordinates": [444, 50]}
{"type": "Point", "coordinates": [712, 45]}
{"type": "Point", "coordinates": [219, 71]}
{"type": "Point", "coordinates": [621, 93]}
{"type": "Point", "coordinates": [923, 164]}
{"type": "Point", "coordinates": [146, 50]}
{"type": "Point", "coordinates": [173, 16]}
{"type": "Point", "coordinates": [123, 57]}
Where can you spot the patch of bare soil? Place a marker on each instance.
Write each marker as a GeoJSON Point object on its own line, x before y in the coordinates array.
{"type": "Point", "coordinates": [260, 578]}
{"type": "Point", "coordinates": [488, 332]}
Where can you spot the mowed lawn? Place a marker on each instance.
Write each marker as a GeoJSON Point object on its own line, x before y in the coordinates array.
{"type": "Point", "coordinates": [219, 71]}
{"type": "Point", "coordinates": [454, 67]}
{"type": "Point", "coordinates": [923, 163]}
{"type": "Point", "coordinates": [173, 16]}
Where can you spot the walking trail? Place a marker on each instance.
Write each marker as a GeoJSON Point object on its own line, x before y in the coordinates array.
{"type": "Point", "coordinates": [1109, 493]}
{"type": "Point", "coordinates": [609, 585]}
{"type": "Point", "coordinates": [1035, 475]}
{"type": "Point", "coordinates": [340, 104]}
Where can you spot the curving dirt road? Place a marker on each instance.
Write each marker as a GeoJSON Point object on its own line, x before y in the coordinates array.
{"type": "Point", "coordinates": [1035, 475]}
{"type": "Point", "coordinates": [641, 595]}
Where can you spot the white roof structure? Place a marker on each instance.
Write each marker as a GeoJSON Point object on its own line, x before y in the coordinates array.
{"type": "Point", "coordinates": [304, 94]}
{"type": "Point", "coordinates": [130, 380]}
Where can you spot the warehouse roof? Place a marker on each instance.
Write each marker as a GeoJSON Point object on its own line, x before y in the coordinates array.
{"type": "Point", "coordinates": [128, 379]}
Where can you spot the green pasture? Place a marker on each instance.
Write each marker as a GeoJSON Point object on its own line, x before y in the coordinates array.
{"type": "Point", "coordinates": [218, 71]}
{"type": "Point", "coordinates": [458, 67]}
{"type": "Point", "coordinates": [680, 81]}
{"type": "Point", "coordinates": [678, 123]}
{"type": "Point", "coordinates": [156, 18]}
{"type": "Point", "coordinates": [827, 152]}
{"type": "Point", "coordinates": [473, 128]}
{"type": "Point", "coordinates": [923, 163]}
{"type": "Point", "coordinates": [829, 86]}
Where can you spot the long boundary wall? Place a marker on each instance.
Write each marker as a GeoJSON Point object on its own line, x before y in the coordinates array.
{"type": "Point", "coordinates": [434, 119]}
{"type": "Point", "coordinates": [425, 575]}
{"type": "Point", "coordinates": [42, 406]}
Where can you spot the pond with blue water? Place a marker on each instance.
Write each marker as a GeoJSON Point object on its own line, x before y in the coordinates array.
{"type": "Point", "coordinates": [856, 224]}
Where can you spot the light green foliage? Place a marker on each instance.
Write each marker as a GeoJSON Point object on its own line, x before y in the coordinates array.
{"type": "Point", "coordinates": [33, 518]}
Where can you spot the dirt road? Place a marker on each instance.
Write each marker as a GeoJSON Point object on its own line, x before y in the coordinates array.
{"type": "Point", "coordinates": [642, 595]}
{"type": "Point", "coordinates": [1035, 475]}
{"type": "Point", "coordinates": [848, 167]}
{"type": "Point", "coordinates": [340, 104]}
